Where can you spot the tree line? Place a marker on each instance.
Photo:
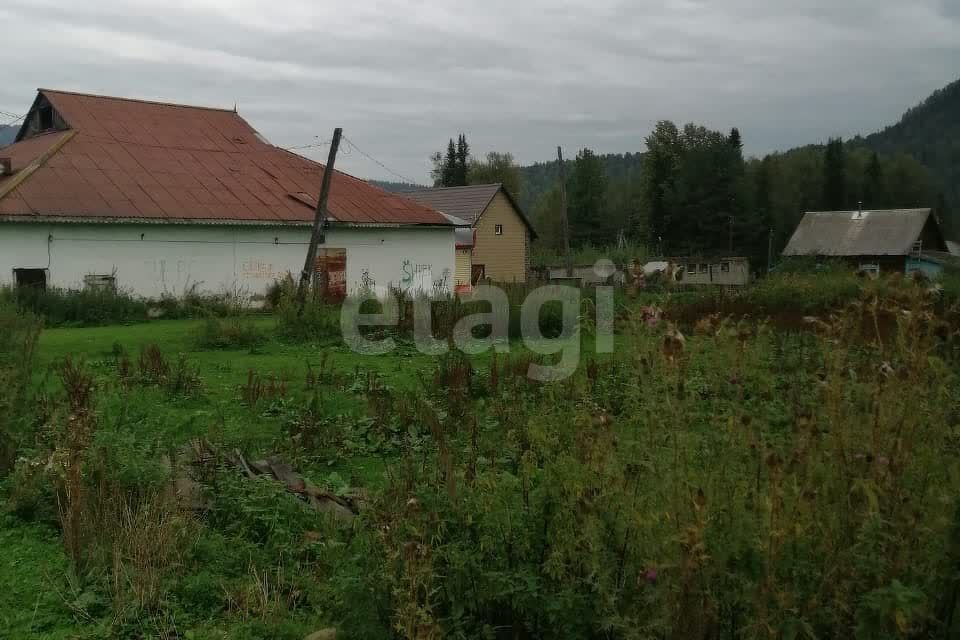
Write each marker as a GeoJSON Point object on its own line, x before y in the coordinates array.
{"type": "Point", "coordinates": [458, 168]}
{"type": "Point", "coordinates": [694, 193]}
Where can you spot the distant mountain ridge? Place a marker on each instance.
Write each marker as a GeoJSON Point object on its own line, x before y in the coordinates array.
{"type": "Point", "coordinates": [930, 132]}
{"type": "Point", "coordinates": [540, 177]}
{"type": "Point", "coordinates": [7, 134]}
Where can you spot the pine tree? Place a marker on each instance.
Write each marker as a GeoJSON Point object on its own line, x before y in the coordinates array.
{"type": "Point", "coordinates": [587, 202]}
{"type": "Point", "coordinates": [873, 189]}
{"type": "Point", "coordinates": [834, 176]}
{"type": "Point", "coordinates": [450, 166]}
{"type": "Point", "coordinates": [945, 216]}
{"type": "Point", "coordinates": [463, 160]}
{"type": "Point", "coordinates": [734, 139]}
{"type": "Point", "coordinates": [658, 176]}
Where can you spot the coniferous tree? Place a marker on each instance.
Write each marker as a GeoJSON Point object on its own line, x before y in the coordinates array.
{"type": "Point", "coordinates": [834, 176]}
{"type": "Point", "coordinates": [945, 216]}
{"type": "Point", "coordinates": [587, 202]}
{"type": "Point", "coordinates": [873, 188]}
{"type": "Point", "coordinates": [707, 206]}
{"type": "Point", "coordinates": [450, 166]}
{"type": "Point", "coordinates": [659, 173]}
{"type": "Point", "coordinates": [461, 177]}
{"type": "Point", "coordinates": [734, 139]}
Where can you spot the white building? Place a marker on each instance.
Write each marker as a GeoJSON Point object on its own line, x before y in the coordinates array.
{"type": "Point", "coordinates": [164, 199]}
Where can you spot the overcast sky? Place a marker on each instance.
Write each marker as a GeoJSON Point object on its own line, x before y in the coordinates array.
{"type": "Point", "coordinates": [514, 75]}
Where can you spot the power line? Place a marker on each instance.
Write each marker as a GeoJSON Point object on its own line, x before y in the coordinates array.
{"type": "Point", "coordinates": [14, 116]}
{"type": "Point", "coordinates": [377, 162]}
{"type": "Point", "coordinates": [312, 145]}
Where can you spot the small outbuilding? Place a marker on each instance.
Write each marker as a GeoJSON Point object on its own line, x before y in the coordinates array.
{"type": "Point", "coordinates": [167, 199]}
{"type": "Point", "coordinates": [884, 241]}
{"type": "Point", "coordinates": [723, 272]}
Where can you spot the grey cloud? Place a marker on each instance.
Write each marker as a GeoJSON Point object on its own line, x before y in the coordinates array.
{"type": "Point", "coordinates": [515, 76]}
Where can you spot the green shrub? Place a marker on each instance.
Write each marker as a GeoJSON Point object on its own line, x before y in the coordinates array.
{"type": "Point", "coordinates": [950, 281]}
{"type": "Point", "coordinates": [803, 293]}
{"type": "Point", "coordinates": [19, 334]}
{"type": "Point", "coordinates": [231, 333]}
{"type": "Point", "coordinates": [97, 307]}
{"type": "Point", "coordinates": [84, 308]}
{"type": "Point", "coordinates": [755, 485]}
{"type": "Point", "coordinates": [315, 322]}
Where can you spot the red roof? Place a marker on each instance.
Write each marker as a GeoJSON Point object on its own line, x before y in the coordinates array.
{"type": "Point", "coordinates": [145, 160]}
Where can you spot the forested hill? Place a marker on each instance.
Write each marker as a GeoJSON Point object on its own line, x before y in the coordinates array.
{"type": "Point", "coordinates": [930, 133]}
{"type": "Point", "coordinates": [7, 134]}
{"type": "Point", "coordinates": [540, 177]}
{"type": "Point", "coordinates": [396, 187]}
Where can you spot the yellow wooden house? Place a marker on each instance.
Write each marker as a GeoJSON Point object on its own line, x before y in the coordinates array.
{"type": "Point", "coordinates": [501, 232]}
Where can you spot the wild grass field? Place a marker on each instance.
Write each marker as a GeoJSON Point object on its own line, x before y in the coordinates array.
{"type": "Point", "coordinates": [727, 478]}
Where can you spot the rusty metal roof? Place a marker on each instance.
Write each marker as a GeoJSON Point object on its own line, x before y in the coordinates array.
{"type": "Point", "coordinates": [467, 202]}
{"type": "Point", "coordinates": [136, 160]}
{"type": "Point", "coordinates": [890, 232]}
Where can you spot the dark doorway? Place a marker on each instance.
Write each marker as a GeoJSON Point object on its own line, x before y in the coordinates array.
{"type": "Point", "coordinates": [34, 278]}
{"type": "Point", "coordinates": [477, 273]}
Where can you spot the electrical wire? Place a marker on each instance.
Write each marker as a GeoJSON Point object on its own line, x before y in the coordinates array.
{"type": "Point", "coordinates": [7, 114]}
{"type": "Point", "coordinates": [377, 162]}
{"type": "Point", "coordinates": [312, 145]}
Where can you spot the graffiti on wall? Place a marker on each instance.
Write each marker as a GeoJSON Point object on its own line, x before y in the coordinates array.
{"type": "Point", "coordinates": [366, 280]}
{"type": "Point", "coordinates": [256, 270]}
{"type": "Point", "coordinates": [443, 282]}
{"type": "Point", "coordinates": [417, 276]}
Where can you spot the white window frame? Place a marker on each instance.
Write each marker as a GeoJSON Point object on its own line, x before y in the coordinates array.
{"type": "Point", "coordinates": [872, 269]}
{"type": "Point", "coordinates": [100, 282]}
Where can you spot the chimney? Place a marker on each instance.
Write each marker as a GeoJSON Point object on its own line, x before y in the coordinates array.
{"type": "Point", "coordinates": [6, 167]}
{"type": "Point", "coordinates": [858, 214]}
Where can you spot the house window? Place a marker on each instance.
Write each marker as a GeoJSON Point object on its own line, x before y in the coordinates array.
{"type": "Point", "coordinates": [36, 278]}
{"type": "Point", "coordinates": [870, 269]}
{"type": "Point", "coordinates": [703, 267]}
{"type": "Point", "coordinates": [96, 282]}
{"type": "Point", "coordinates": [691, 268]}
{"type": "Point", "coordinates": [724, 267]}
{"type": "Point", "coordinates": [498, 229]}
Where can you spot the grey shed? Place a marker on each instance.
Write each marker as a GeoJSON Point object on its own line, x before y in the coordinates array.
{"type": "Point", "coordinates": [890, 232]}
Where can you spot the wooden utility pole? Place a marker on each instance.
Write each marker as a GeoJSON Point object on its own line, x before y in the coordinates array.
{"type": "Point", "coordinates": [568, 257]}
{"type": "Point", "coordinates": [731, 235]}
{"type": "Point", "coordinates": [770, 252]}
{"type": "Point", "coordinates": [319, 222]}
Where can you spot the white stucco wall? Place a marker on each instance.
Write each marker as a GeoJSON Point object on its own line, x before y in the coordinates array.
{"type": "Point", "coordinates": [157, 259]}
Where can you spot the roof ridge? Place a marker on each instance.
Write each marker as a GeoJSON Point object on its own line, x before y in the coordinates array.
{"type": "Point", "coordinates": [9, 186]}
{"type": "Point", "coordinates": [137, 100]}
{"type": "Point", "coordinates": [866, 210]}
{"type": "Point", "coordinates": [462, 186]}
